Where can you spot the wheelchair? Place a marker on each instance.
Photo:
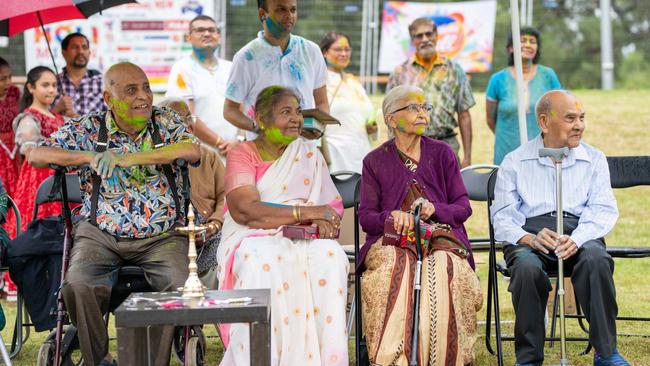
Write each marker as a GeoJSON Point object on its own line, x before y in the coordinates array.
{"type": "Point", "coordinates": [65, 188]}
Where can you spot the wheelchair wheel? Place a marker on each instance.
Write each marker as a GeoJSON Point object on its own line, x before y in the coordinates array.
{"type": "Point", "coordinates": [196, 345]}
{"type": "Point", "coordinates": [46, 354]}
{"type": "Point", "coordinates": [71, 356]}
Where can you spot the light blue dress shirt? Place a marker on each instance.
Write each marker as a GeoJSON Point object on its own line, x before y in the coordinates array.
{"type": "Point", "coordinates": [525, 187]}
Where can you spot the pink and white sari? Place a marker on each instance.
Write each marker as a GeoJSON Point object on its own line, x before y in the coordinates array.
{"type": "Point", "coordinates": [307, 278]}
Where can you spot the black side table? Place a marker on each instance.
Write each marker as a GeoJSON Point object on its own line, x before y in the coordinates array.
{"type": "Point", "coordinates": [144, 309]}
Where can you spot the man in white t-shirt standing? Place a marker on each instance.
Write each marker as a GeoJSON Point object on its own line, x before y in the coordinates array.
{"type": "Point", "coordinates": [275, 57]}
{"type": "Point", "coordinates": [200, 79]}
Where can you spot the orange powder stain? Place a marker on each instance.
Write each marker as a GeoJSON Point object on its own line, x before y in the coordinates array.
{"type": "Point", "coordinates": [180, 82]}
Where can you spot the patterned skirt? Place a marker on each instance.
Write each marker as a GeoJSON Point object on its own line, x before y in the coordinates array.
{"type": "Point", "coordinates": [449, 301]}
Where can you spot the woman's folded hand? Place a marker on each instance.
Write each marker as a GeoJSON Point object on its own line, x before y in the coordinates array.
{"type": "Point", "coordinates": [323, 212]}
{"type": "Point", "coordinates": [325, 229]}
{"type": "Point", "coordinates": [404, 221]}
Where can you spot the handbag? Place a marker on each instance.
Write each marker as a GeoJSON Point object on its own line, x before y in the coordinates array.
{"type": "Point", "coordinates": [308, 232]}
{"type": "Point", "coordinates": [433, 236]}
{"type": "Point", "coordinates": [34, 258]}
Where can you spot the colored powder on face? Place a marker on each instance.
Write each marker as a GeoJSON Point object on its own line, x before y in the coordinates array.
{"type": "Point", "coordinates": [265, 107]}
{"type": "Point", "coordinates": [419, 130]}
{"type": "Point", "coordinates": [401, 125]}
{"type": "Point", "coordinates": [416, 96]}
{"type": "Point", "coordinates": [121, 109]}
{"type": "Point", "coordinates": [275, 136]}
{"type": "Point", "coordinates": [553, 114]}
{"type": "Point", "coordinates": [202, 53]}
{"type": "Point", "coordinates": [274, 27]}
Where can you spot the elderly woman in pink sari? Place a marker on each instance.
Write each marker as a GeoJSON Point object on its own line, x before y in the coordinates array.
{"type": "Point", "coordinates": [275, 180]}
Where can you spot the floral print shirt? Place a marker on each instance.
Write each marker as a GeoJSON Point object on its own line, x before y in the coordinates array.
{"type": "Point", "coordinates": [134, 202]}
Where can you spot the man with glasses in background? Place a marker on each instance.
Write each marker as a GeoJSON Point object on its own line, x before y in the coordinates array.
{"type": "Point", "coordinates": [445, 85]}
{"type": "Point", "coordinates": [200, 79]}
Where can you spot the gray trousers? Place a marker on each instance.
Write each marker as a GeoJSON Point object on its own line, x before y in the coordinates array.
{"type": "Point", "coordinates": [591, 270]}
{"type": "Point", "coordinates": [94, 262]}
{"type": "Point", "coordinates": [452, 141]}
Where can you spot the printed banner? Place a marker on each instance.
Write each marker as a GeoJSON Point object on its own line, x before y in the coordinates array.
{"type": "Point", "coordinates": [465, 32]}
{"type": "Point", "coordinates": [150, 34]}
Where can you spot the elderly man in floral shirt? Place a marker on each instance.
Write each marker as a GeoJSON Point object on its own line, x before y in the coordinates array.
{"type": "Point", "coordinates": [445, 84]}
{"type": "Point", "coordinates": [136, 210]}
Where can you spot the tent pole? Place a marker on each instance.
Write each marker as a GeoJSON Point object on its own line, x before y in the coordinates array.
{"type": "Point", "coordinates": [516, 45]}
{"type": "Point", "coordinates": [47, 40]}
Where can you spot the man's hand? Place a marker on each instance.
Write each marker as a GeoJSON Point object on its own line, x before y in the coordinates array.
{"type": "Point", "coordinates": [566, 247]}
{"type": "Point", "coordinates": [104, 163]}
{"type": "Point", "coordinates": [312, 134]}
{"type": "Point", "coordinates": [65, 106]}
{"type": "Point", "coordinates": [467, 161]}
{"type": "Point", "coordinates": [211, 229]}
{"type": "Point", "coordinates": [545, 240]}
{"type": "Point", "coordinates": [225, 146]}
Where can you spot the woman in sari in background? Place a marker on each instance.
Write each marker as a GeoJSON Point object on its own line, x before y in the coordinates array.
{"type": "Point", "coordinates": [407, 170]}
{"type": "Point", "coordinates": [282, 179]}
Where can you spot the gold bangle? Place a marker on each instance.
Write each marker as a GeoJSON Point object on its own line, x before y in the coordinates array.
{"type": "Point", "coordinates": [218, 141]}
{"type": "Point", "coordinates": [296, 216]}
{"type": "Point", "coordinates": [299, 216]}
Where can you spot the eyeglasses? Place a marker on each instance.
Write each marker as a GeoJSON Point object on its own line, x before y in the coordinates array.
{"type": "Point", "coordinates": [420, 36]}
{"type": "Point", "coordinates": [415, 108]}
{"type": "Point", "coordinates": [201, 30]}
{"type": "Point", "coordinates": [341, 50]}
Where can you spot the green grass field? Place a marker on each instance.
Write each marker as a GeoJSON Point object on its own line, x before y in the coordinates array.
{"type": "Point", "coordinates": [617, 123]}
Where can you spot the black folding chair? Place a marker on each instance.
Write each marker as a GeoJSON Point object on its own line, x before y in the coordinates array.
{"type": "Point", "coordinates": [346, 183]}
{"type": "Point", "coordinates": [625, 172]}
{"type": "Point", "coordinates": [475, 178]}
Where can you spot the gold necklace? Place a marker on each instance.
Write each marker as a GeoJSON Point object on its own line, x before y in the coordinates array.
{"type": "Point", "coordinates": [265, 152]}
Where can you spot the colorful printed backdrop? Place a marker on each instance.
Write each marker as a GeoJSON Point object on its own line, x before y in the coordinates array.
{"type": "Point", "coordinates": [149, 34]}
{"type": "Point", "coordinates": [465, 32]}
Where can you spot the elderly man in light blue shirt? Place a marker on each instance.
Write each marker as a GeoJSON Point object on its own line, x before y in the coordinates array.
{"type": "Point", "coordinates": [523, 214]}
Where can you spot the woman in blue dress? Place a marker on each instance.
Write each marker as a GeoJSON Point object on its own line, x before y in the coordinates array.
{"type": "Point", "coordinates": [501, 94]}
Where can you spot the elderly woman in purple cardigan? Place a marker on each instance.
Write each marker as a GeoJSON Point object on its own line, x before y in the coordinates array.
{"type": "Point", "coordinates": [408, 168]}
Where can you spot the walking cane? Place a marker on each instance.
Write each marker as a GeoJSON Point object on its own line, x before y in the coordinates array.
{"type": "Point", "coordinates": [557, 155]}
{"type": "Point", "coordinates": [416, 289]}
